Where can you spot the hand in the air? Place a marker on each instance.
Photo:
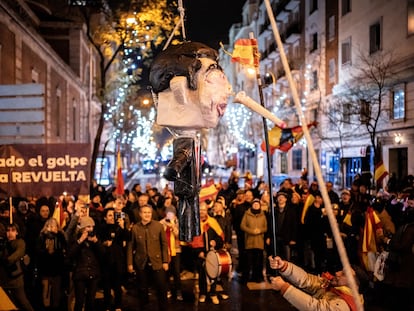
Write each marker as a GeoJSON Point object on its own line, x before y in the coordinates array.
{"type": "Point", "coordinates": [276, 262]}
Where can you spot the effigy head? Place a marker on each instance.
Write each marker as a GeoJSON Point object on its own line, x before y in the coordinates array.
{"type": "Point", "coordinates": [191, 89]}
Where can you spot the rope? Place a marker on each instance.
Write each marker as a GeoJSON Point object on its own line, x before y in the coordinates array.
{"type": "Point", "coordinates": [180, 22]}
{"type": "Point", "coordinates": [322, 186]}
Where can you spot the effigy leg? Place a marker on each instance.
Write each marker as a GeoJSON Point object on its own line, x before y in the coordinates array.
{"type": "Point", "coordinates": [183, 169]}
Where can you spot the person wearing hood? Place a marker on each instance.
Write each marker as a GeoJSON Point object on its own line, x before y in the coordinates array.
{"type": "Point", "coordinates": [86, 251]}
{"type": "Point", "coordinates": [254, 226]}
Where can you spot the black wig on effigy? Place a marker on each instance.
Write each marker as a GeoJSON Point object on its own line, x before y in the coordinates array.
{"type": "Point", "coordinates": [179, 60]}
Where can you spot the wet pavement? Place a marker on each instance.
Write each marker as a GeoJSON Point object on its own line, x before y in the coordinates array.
{"type": "Point", "coordinates": [243, 297]}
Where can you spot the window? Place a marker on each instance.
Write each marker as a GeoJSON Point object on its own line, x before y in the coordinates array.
{"type": "Point", "coordinates": [331, 28]}
{"type": "Point", "coordinates": [398, 103]}
{"type": "Point", "coordinates": [35, 76]}
{"type": "Point", "coordinates": [57, 113]}
{"type": "Point", "coordinates": [332, 70]}
{"type": "Point", "coordinates": [365, 111]}
{"type": "Point", "coordinates": [346, 113]}
{"type": "Point", "coordinates": [284, 163]}
{"type": "Point", "coordinates": [75, 119]}
{"type": "Point", "coordinates": [313, 6]}
{"type": "Point", "coordinates": [314, 82]}
{"type": "Point", "coordinates": [297, 159]}
{"type": "Point", "coordinates": [375, 41]}
{"type": "Point", "coordinates": [1, 47]}
{"type": "Point", "coordinates": [346, 7]}
{"type": "Point", "coordinates": [314, 42]}
{"type": "Point", "coordinates": [346, 52]}
{"type": "Point", "coordinates": [410, 17]}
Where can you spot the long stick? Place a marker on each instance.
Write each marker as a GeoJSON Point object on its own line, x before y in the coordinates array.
{"type": "Point", "coordinates": [322, 186]}
{"type": "Point", "coordinates": [256, 62]}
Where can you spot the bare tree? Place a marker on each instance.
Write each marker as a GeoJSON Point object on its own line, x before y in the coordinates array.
{"type": "Point", "coordinates": [362, 106]}
{"type": "Point", "coordinates": [115, 29]}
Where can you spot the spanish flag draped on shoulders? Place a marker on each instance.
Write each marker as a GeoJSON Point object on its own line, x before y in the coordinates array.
{"type": "Point", "coordinates": [210, 231]}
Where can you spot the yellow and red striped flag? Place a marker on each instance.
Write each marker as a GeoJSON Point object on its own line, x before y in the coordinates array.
{"type": "Point", "coordinates": [59, 215]}
{"type": "Point", "coordinates": [380, 172]}
{"type": "Point", "coordinates": [119, 178]}
{"type": "Point", "coordinates": [244, 50]}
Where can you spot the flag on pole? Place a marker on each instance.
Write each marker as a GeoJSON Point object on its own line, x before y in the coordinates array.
{"type": "Point", "coordinates": [243, 52]}
{"type": "Point", "coordinates": [380, 172]}
{"type": "Point", "coordinates": [119, 178]}
{"type": "Point", "coordinates": [284, 139]}
{"type": "Point", "coordinates": [59, 214]}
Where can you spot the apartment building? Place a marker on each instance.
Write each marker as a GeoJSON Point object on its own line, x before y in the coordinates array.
{"type": "Point", "coordinates": [329, 46]}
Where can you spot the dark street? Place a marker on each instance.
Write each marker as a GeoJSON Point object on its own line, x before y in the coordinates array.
{"type": "Point", "coordinates": [242, 297]}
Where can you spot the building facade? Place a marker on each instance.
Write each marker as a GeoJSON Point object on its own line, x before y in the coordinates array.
{"type": "Point", "coordinates": [331, 47]}
{"type": "Point", "coordinates": [47, 74]}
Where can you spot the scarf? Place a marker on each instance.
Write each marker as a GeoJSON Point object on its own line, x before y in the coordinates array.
{"type": "Point", "coordinates": [345, 293]}
{"type": "Point", "coordinates": [212, 223]}
{"type": "Point", "coordinates": [171, 242]}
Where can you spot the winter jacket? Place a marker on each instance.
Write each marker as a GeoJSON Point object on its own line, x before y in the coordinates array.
{"type": "Point", "coordinates": [249, 224]}
{"type": "Point", "coordinates": [309, 292]}
{"type": "Point", "coordinates": [152, 248]}
{"type": "Point", "coordinates": [87, 259]}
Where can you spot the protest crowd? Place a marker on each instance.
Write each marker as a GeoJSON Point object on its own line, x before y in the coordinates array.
{"type": "Point", "coordinates": [58, 252]}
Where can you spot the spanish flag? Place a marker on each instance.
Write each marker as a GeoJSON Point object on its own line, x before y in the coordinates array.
{"type": "Point", "coordinates": [284, 139]}
{"type": "Point", "coordinates": [380, 172]}
{"type": "Point", "coordinates": [119, 178]}
{"type": "Point", "coordinates": [59, 215]}
{"type": "Point", "coordinates": [243, 52]}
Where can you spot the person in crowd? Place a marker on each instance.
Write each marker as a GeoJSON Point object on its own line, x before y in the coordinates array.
{"type": "Point", "coordinates": [233, 183]}
{"type": "Point", "coordinates": [309, 292]}
{"type": "Point", "coordinates": [314, 187]}
{"type": "Point", "coordinates": [364, 198]}
{"type": "Point", "coordinates": [96, 208]}
{"type": "Point", "coordinates": [51, 251]}
{"type": "Point", "coordinates": [297, 203]}
{"type": "Point", "coordinates": [314, 226]}
{"type": "Point", "coordinates": [248, 196]}
{"type": "Point", "coordinates": [211, 239]}
{"type": "Point", "coordinates": [333, 196]}
{"type": "Point", "coordinates": [86, 252]}
{"type": "Point", "coordinates": [143, 200]}
{"type": "Point", "coordinates": [345, 205]}
{"type": "Point", "coordinates": [11, 255]}
{"type": "Point", "coordinates": [23, 216]}
{"type": "Point", "coordinates": [287, 186]}
{"type": "Point", "coordinates": [284, 225]}
{"type": "Point", "coordinates": [35, 226]}
{"type": "Point", "coordinates": [148, 253]}
{"type": "Point", "coordinates": [254, 226]}
{"type": "Point", "coordinates": [114, 236]}
{"type": "Point", "coordinates": [223, 217]}
{"type": "Point", "coordinates": [137, 189]}
{"type": "Point", "coordinates": [131, 205]}
{"type": "Point", "coordinates": [119, 211]}
{"type": "Point", "coordinates": [226, 193]}
{"type": "Point", "coordinates": [302, 184]}
{"type": "Point", "coordinates": [154, 196]}
{"type": "Point", "coordinates": [399, 270]}
{"type": "Point", "coordinates": [97, 188]}
{"type": "Point", "coordinates": [237, 209]}
{"type": "Point", "coordinates": [171, 227]}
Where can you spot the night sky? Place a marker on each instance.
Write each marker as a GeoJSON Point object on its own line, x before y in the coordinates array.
{"type": "Point", "coordinates": [209, 21]}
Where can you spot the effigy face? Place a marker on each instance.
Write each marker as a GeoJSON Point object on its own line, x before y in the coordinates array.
{"type": "Point", "coordinates": [192, 88]}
